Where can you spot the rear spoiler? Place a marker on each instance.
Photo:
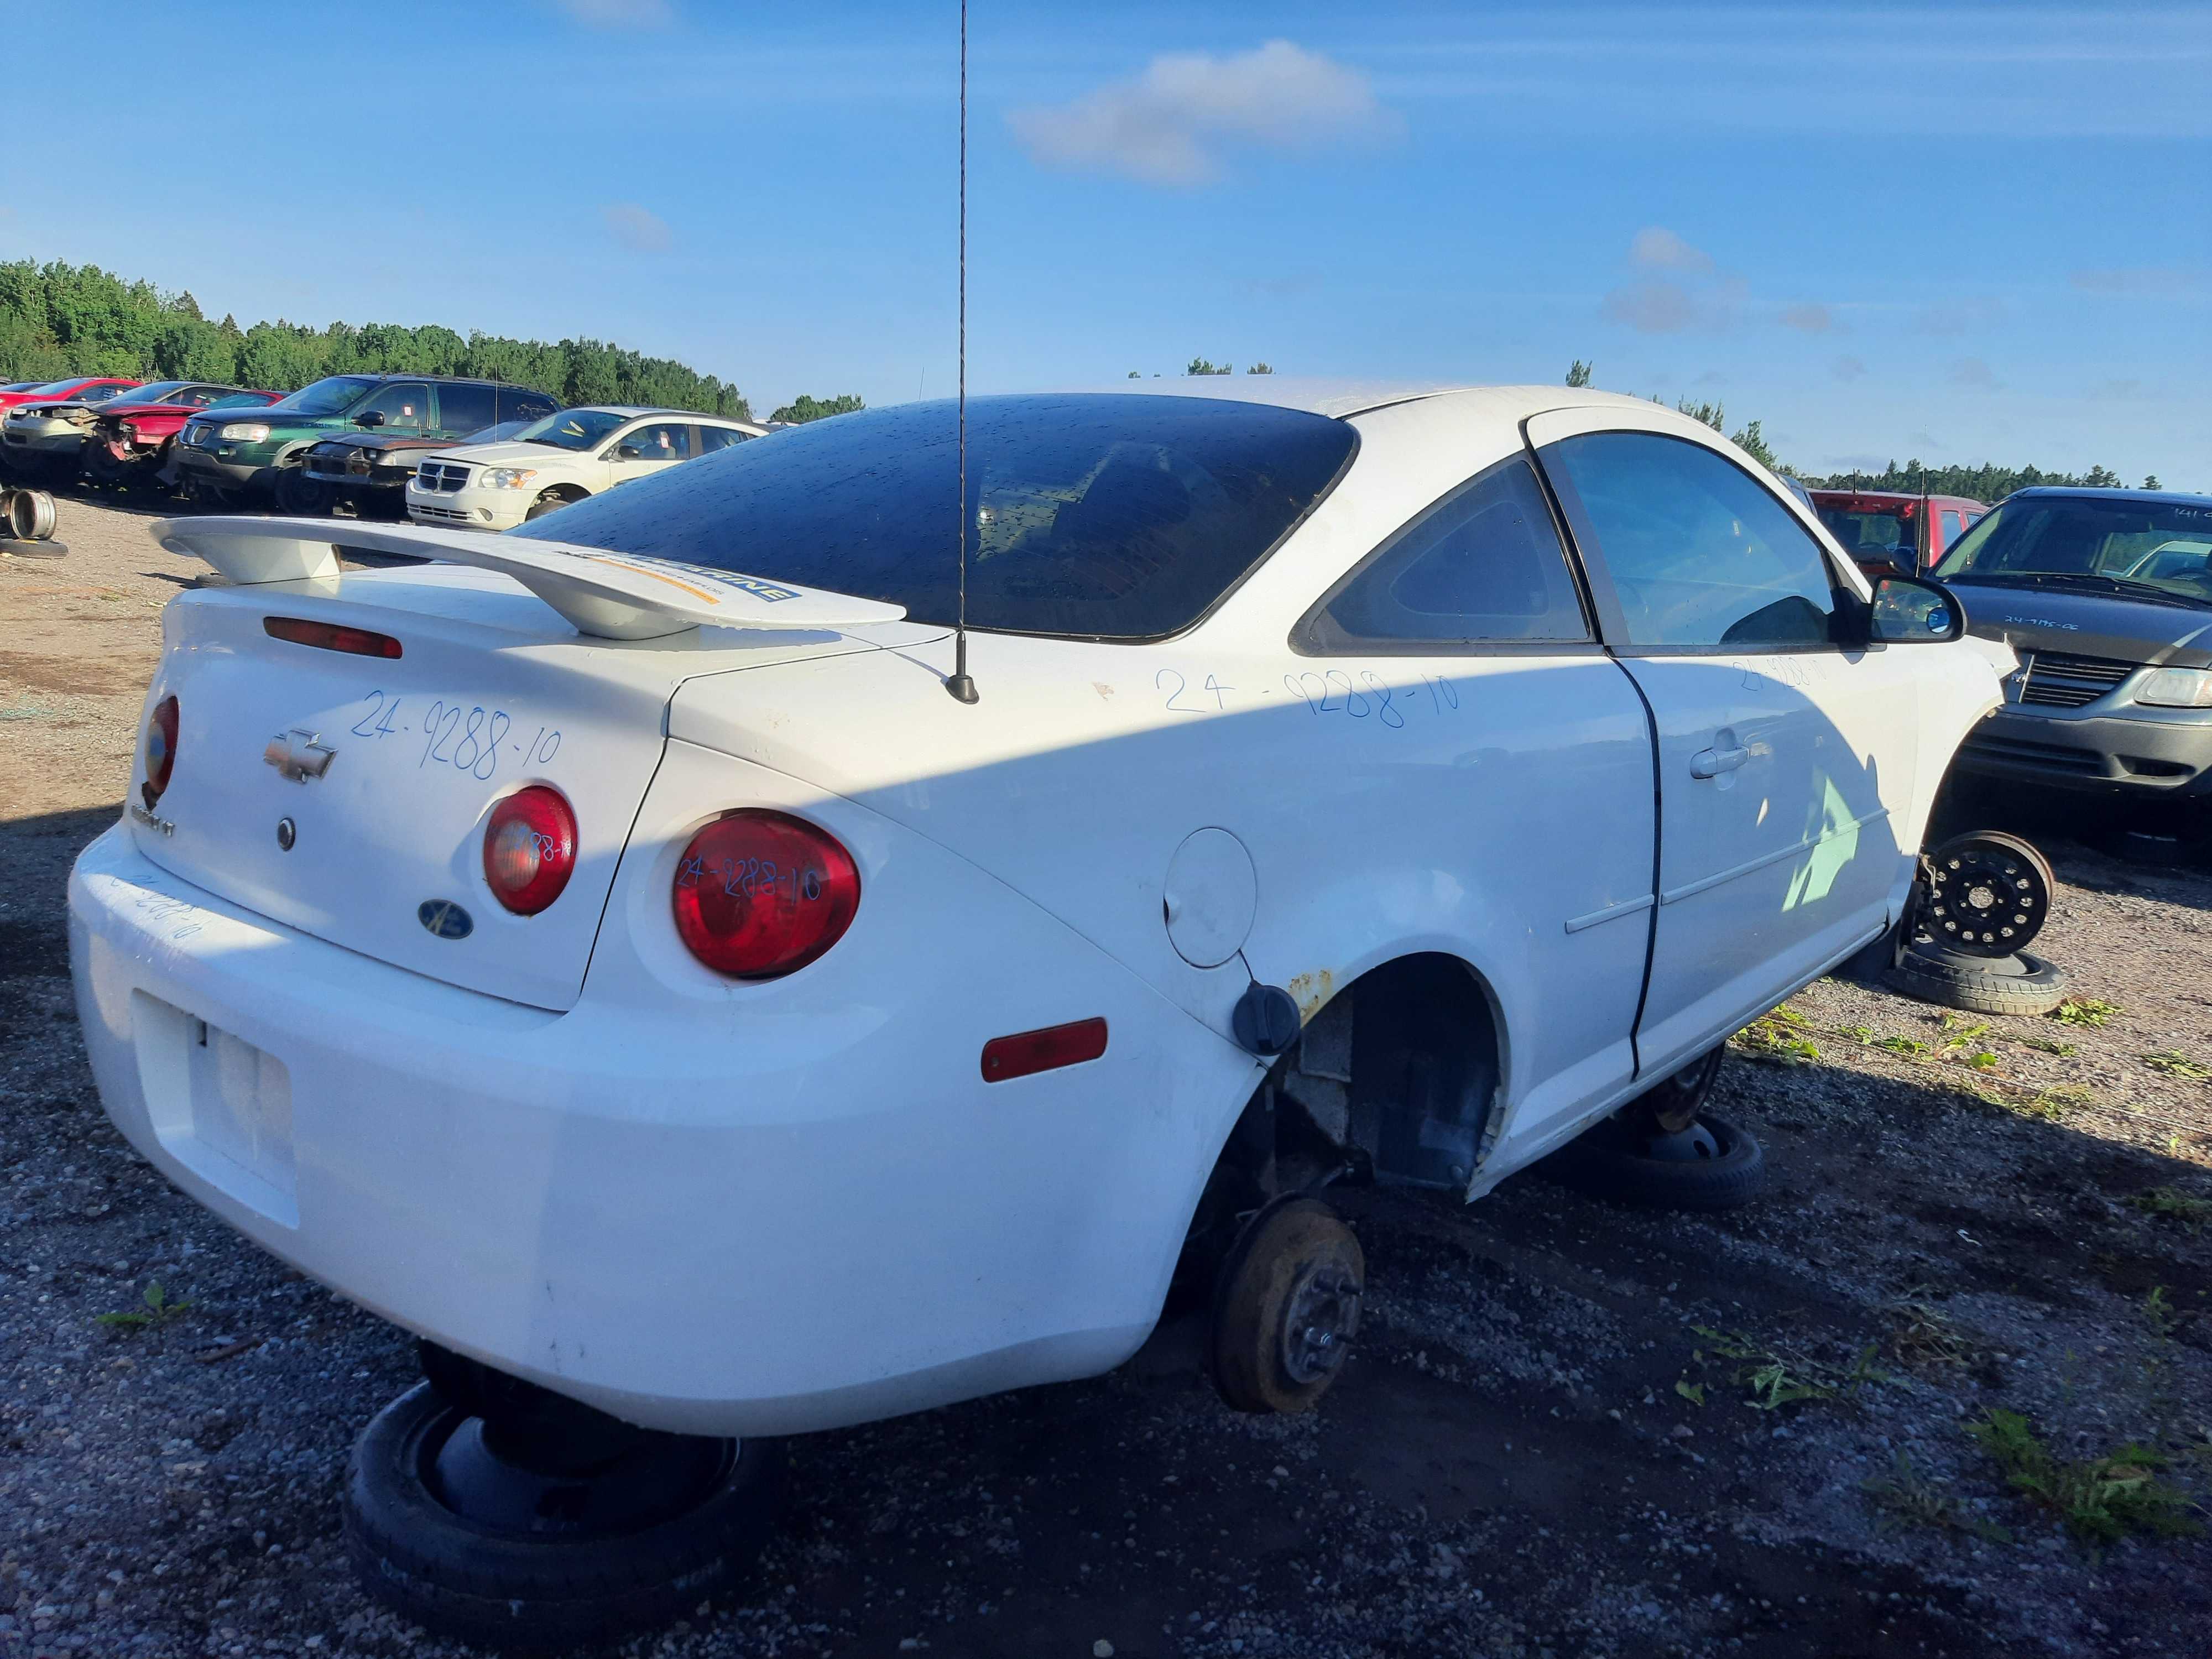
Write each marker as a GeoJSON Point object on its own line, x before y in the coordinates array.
{"type": "Point", "coordinates": [614, 596]}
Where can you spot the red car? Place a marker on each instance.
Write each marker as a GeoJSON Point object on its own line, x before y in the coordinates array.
{"type": "Point", "coordinates": [129, 444]}
{"type": "Point", "coordinates": [1890, 533]}
{"type": "Point", "coordinates": [76, 388]}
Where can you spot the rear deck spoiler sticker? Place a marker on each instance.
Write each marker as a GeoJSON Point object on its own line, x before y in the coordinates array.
{"type": "Point", "coordinates": [616, 596]}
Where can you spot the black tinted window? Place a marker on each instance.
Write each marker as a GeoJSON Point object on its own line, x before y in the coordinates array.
{"type": "Point", "coordinates": [518, 406]}
{"type": "Point", "coordinates": [465, 408]}
{"type": "Point", "coordinates": [1700, 554]}
{"type": "Point", "coordinates": [1107, 515]}
{"type": "Point", "coordinates": [405, 407]}
{"type": "Point", "coordinates": [712, 438]}
{"type": "Point", "coordinates": [1484, 564]}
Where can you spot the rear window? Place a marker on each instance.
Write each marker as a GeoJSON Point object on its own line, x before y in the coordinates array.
{"type": "Point", "coordinates": [1103, 516]}
{"type": "Point", "coordinates": [1867, 532]}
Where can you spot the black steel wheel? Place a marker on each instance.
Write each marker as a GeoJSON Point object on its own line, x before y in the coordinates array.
{"type": "Point", "coordinates": [299, 496]}
{"type": "Point", "coordinates": [1987, 894]}
{"type": "Point", "coordinates": [1286, 1307]}
{"type": "Point", "coordinates": [543, 1533]}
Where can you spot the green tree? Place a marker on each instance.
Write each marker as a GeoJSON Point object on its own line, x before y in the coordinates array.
{"type": "Point", "coordinates": [1578, 373]}
{"type": "Point", "coordinates": [2150, 482]}
{"type": "Point", "coordinates": [1260, 368]}
{"type": "Point", "coordinates": [1203, 366]}
{"type": "Point", "coordinates": [804, 408]}
{"type": "Point", "coordinates": [1753, 443]}
{"type": "Point", "coordinates": [1711, 413]}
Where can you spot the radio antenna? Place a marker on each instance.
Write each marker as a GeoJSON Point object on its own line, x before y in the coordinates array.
{"type": "Point", "coordinates": [963, 688]}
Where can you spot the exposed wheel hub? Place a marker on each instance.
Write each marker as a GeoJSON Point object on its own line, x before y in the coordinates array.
{"type": "Point", "coordinates": [1319, 1322]}
{"type": "Point", "coordinates": [1988, 895]}
{"type": "Point", "coordinates": [657, 1478]}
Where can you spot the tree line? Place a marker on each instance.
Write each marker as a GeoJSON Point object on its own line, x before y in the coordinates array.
{"type": "Point", "coordinates": [57, 320]}
{"type": "Point", "coordinates": [1982, 482]}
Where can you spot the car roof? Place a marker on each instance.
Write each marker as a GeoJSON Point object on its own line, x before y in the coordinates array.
{"type": "Point", "coordinates": [632, 412]}
{"type": "Point", "coordinates": [1356, 396]}
{"type": "Point", "coordinates": [2085, 493]}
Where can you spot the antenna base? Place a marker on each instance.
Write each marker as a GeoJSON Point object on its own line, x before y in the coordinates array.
{"type": "Point", "coordinates": [962, 687]}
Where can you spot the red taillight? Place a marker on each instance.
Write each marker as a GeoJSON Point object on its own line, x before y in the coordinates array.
{"type": "Point", "coordinates": [329, 636]}
{"type": "Point", "coordinates": [1042, 1051]}
{"type": "Point", "coordinates": [530, 849]}
{"type": "Point", "coordinates": [160, 750]}
{"type": "Point", "coordinates": [759, 894]}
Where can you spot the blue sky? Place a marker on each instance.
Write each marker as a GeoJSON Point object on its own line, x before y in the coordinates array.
{"type": "Point", "coordinates": [1965, 232]}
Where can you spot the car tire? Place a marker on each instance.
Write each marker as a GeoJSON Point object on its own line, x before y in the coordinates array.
{"type": "Point", "coordinates": [550, 501]}
{"type": "Point", "coordinates": [2023, 983]}
{"type": "Point", "coordinates": [1285, 1307]}
{"type": "Point", "coordinates": [1713, 1165]}
{"type": "Point", "coordinates": [299, 496]}
{"type": "Point", "coordinates": [541, 1589]}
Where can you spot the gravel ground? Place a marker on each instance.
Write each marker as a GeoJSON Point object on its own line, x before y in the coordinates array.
{"type": "Point", "coordinates": [1534, 1451]}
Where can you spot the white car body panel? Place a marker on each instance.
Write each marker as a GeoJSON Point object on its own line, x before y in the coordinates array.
{"type": "Point", "coordinates": [563, 1146]}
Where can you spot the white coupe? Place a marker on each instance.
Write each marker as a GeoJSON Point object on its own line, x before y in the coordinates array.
{"type": "Point", "coordinates": [610, 953]}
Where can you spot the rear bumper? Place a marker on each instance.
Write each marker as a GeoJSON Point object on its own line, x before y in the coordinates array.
{"type": "Point", "coordinates": [2099, 755]}
{"type": "Point", "coordinates": [699, 1219]}
{"type": "Point", "coordinates": [43, 442]}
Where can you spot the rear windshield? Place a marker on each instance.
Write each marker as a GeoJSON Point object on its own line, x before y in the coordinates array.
{"type": "Point", "coordinates": [1102, 516]}
{"type": "Point", "coordinates": [2156, 548]}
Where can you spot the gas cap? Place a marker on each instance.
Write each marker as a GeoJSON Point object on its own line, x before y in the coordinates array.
{"type": "Point", "coordinates": [1212, 893]}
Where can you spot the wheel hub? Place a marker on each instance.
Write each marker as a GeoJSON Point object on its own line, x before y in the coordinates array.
{"type": "Point", "coordinates": [1986, 897]}
{"type": "Point", "coordinates": [657, 1478]}
{"type": "Point", "coordinates": [1319, 1322]}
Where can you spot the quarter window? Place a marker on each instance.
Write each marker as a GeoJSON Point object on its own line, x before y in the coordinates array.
{"type": "Point", "coordinates": [465, 408]}
{"type": "Point", "coordinates": [1700, 556]}
{"type": "Point", "coordinates": [1483, 566]}
{"type": "Point", "coordinates": [712, 438]}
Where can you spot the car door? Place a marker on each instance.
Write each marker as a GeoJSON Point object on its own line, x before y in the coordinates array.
{"type": "Point", "coordinates": [1786, 763]}
{"type": "Point", "coordinates": [1464, 641]}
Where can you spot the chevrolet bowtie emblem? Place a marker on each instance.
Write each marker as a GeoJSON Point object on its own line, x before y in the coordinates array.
{"type": "Point", "coordinates": [298, 756]}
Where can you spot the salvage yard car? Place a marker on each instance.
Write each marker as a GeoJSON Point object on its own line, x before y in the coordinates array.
{"type": "Point", "coordinates": [131, 443]}
{"type": "Point", "coordinates": [228, 459]}
{"type": "Point", "coordinates": [658, 958]}
{"type": "Point", "coordinates": [1886, 531]}
{"type": "Point", "coordinates": [562, 459]}
{"type": "Point", "coordinates": [40, 435]}
{"type": "Point", "coordinates": [2106, 595]}
{"type": "Point", "coordinates": [365, 473]}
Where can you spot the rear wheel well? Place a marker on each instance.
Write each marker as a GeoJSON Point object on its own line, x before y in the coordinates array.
{"type": "Point", "coordinates": [1395, 1078]}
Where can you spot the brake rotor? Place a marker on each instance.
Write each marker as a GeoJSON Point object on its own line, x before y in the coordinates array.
{"type": "Point", "coordinates": [1987, 894]}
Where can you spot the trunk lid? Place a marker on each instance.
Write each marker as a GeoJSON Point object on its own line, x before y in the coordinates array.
{"type": "Point", "coordinates": [493, 691]}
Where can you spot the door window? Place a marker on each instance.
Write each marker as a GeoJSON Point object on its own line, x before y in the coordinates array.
{"type": "Point", "coordinates": [664, 440]}
{"type": "Point", "coordinates": [465, 409]}
{"type": "Point", "coordinates": [524, 405]}
{"type": "Point", "coordinates": [712, 438]}
{"type": "Point", "coordinates": [404, 407]}
{"type": "Point", "coordinates": [1483, 565]}
{"type": "Point", "coordinates": [1701, 556]}
{"type": "Point", "coordinates": [1953, 526]}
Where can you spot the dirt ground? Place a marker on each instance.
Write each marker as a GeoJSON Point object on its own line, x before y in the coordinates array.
{"type": "Point", "coordinates": [1552, 1440]}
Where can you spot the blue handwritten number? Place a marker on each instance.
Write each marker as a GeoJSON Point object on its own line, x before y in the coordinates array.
{"type": "Point", "coordinates": [446, 735]}
{"type": "Point", "coordinates": [548, 748]}
{"type": "Point", "coordinates": [489, 764]}
{"type": "Point", "coordinates": [363, 727]}
{"type": "Point", "coordinates": [430, 732]}
{"type": "Point", "coordinates": [384, 725]}
{"type": "Point", "coordinates": [1159, 684]}
{"type": "Point", "coordinates": [1354, 704]}
{"type": "Point", "coordinates": [1375, 684]}
{"type": "Point", "coordinates": [1217, 688]}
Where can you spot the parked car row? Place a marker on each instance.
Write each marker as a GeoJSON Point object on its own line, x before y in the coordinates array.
{"type": "Point", "coordinates": [1888, 533]}
{"type": "Point", "coordinates": [441, 450]}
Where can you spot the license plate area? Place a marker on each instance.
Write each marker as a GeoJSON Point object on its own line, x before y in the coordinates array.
{"type": "Point", "coordinates": [219, 1106]}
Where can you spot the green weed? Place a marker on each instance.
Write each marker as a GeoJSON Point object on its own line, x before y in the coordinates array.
{"type": "Point", "coordinates": [1774, 1377]}
{"type": "Point", "coordinates": [159, 1310]}
{"type": "Point", "coordinates": [2172, 1062]}
{"type": "Point", "coordinates": [1907, 1497]}
{"type": "Point", "coordinates": [2048, 1045]}
{"type": "Point", "coordinates": [1925, 1335]}
{"type": "Point", "coordinates": [2191, 1211]}
{"type": "Point", "coordinates": [2084, 1010]}
{"type": "Point", "coordinates": [2101, 1500]}
{"type": "Point", "coordinates": [1902, 1045]}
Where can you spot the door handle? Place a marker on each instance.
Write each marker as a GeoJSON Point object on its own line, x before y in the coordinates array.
{"type": "Point", "coordinates": [1711, 762]}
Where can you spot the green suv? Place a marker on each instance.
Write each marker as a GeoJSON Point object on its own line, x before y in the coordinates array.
{"type": "Point", "coordinates": [249, 452]}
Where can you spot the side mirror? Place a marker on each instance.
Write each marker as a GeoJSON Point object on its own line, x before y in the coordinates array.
{"type": "Point", "coordinates": [371, 417]}
{"type": "Point", "coordinates": [1908, 611]}
{"type": "Point", "coordinates": [629, 452]}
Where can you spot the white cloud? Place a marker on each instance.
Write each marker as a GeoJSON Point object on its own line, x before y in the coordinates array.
{"type": "Point", "coordinates": [1809, 319]}
{"type": "Point", "coordinates": [1657, 248]}
{"type": "Point", "coordinates": [620, 14]}
{"type": "Point", "coordinates": [1169, 125]}
{"type": "Point", "coordinates": [1954, 317]}
{"type": "Point", "coordinates": [635, 228]}
{"type": "Point", "coordinates": [2144, 283]}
